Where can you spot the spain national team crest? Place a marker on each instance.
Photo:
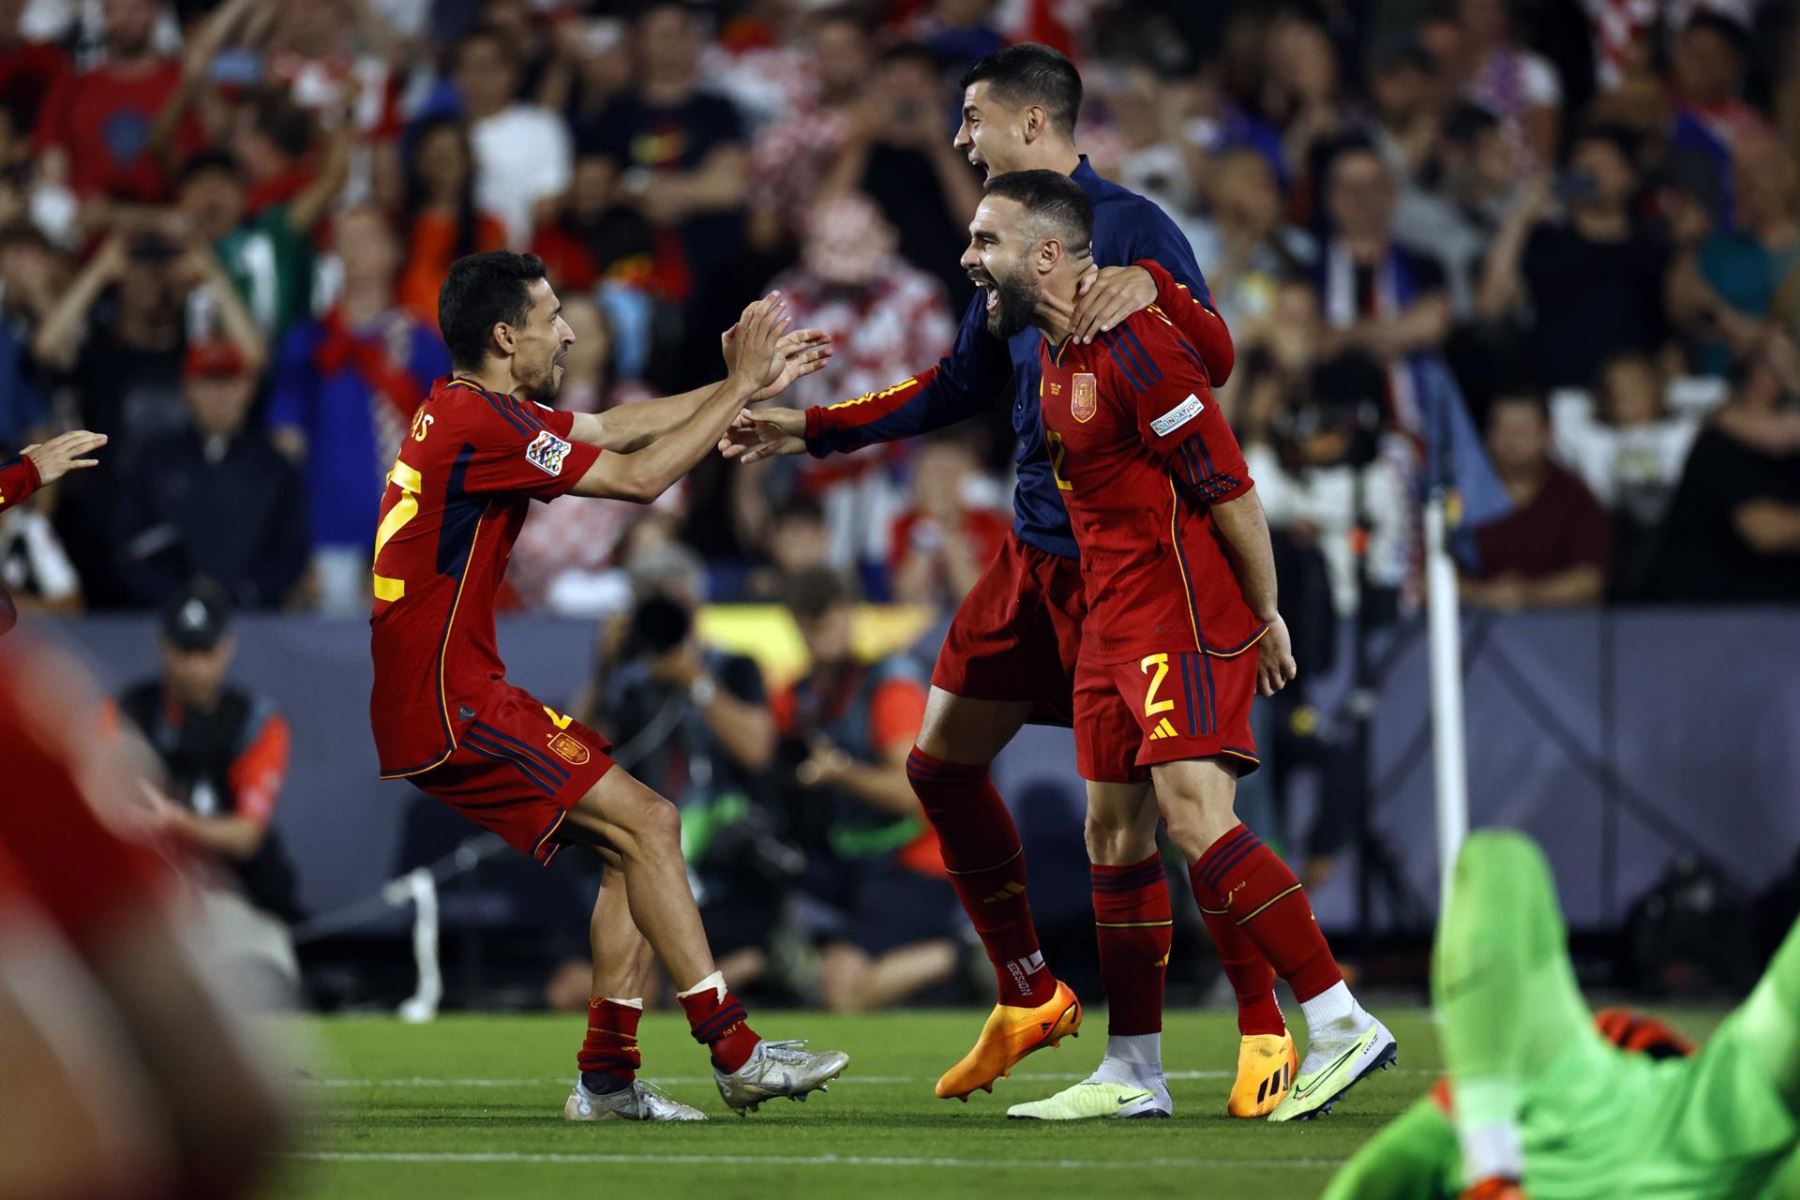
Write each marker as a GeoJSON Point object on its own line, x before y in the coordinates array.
{"type": "Point", "coordinates": [1084, 398]}
{"type": "Point", "coordinates": [569, 748]}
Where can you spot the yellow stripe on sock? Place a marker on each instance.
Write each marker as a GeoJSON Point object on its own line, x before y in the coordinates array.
{"type": "Point", "coordinates": [1131, 924]}
{"type": "Point", "coordinates": [1268, 902]}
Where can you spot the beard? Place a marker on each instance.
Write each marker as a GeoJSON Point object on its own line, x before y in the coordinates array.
{"type": "Point", "coordinates": [544, 387]}
{"type": "Point", "coordinates": [1014, 303]}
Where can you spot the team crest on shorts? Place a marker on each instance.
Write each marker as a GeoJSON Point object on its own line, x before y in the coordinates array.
{"type": "Point", "coordinates": [547, 452]}
{"type": "Point", "coordinates": [568, 747]}
{"type": "Point", "coordinates": [1084, 398]}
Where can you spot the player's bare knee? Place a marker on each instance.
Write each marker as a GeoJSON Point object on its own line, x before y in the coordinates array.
{"type": "Point", "coordinates": [1115, 838]}
{"type": "Point", "coordinates": [655, 826]}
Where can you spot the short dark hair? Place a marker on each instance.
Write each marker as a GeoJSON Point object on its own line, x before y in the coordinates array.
{"type": "Point", "coordinates": [815, 591]}
{"type": "Point", "coordinates": [1052, 198]}
{"type": "Point", "coordinates": [1522, 395]}
{"type": "Point", "coordinates": [1619, 137]}
{"type": "Point", "coordinates": [480, 290]}
{"type": "Point", "coordinates": [1733, 32]}
{"type": "Point", "coordinates": [1031, 73]}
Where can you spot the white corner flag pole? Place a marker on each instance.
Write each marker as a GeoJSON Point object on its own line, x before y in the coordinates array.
{"type": "Point", "coordinates": [1448, 753]}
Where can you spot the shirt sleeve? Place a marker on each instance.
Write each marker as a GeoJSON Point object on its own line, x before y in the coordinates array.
{"type": "Point", "coordinates": [525, 448]}
{"type": "Point", "coordinates": [964, 382]}
{"type": "Point", "coordinates": [740, 676]}
{"type": "Point", "coordinates": [258, 772]}
{"type": "Point", "coordinates": [1178, 417]}
{"type": "Point", "coordinates": [18, 479]}
{"type": "Point", "coordinates": [1197, 322]}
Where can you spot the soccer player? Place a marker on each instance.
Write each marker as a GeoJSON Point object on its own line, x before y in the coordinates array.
{"type": "Point", "coordinates": [1540, 1102]}
{"type": "Point", "coordinates": [482, 446]}
{"type": "Point", "coordinates": [1181, 631]}
{"type": "Point", "coordinates": [35, 467]}
{"type": "Point", "coordinates": [1009, 656]}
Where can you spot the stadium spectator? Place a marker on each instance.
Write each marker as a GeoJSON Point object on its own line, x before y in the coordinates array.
{"type": "Point", "coordinates": [683, 152]}
{"type": "Point", "coordinates": [1457, 209]}
{"type": "Point", "coordinates": [958, 32]}
{"type": "Point", "coordinates": [888, 922]}
{"type": "Point", "coordinates": [1380, 299]}
{"type": "Point", "coordinates": [224, 755]}
{"type": "Point", "coordinates": [102, 131]}
{"type": "Point", "coordinates": [1732, 534]}
{"type": "Point", "coordinates": [1248, 249]}
{"type": "Point", "coordinates": [1629, 451]}
{"type": "Point", "coordinates": [522, 153]}
{"type": "Point", "coordinates": [1739, 278]}
{"type": "Point", "coordinates": [1551, 551]}
{"type": "Point", "coordinates": [899, 153]}
{"type": "Point", "coordinates": [589, 66]}
{"type": "Point", "coordinates": [593, 235]}
{"type": "Point", "coordinates": [941, 543]}
{"type": "Point", "coordinates": [1303, 94]}
{"type": "Point", "coordinates": [32, 276]}
{"type": "Point", "coordinates": [440, 219]}
{"type": "Point", "coordinates": [884, 317]}
{"type": "Point", "coordinates": [346, 386]}
{"type": "Point", "coordinates": [1708, 67]}
{"type": "Point", "coordinates": [216, 499]}
{"type": "Point", "coordinates": [698, 723]}
{"type": "Point", "coordinates": [30, 69]}
{"type": "Point", "coordinates": [796, 539]}
{"type": "Point", "coordinates": [1593, 279]}
{"type": "Point", "coordinates": [1518, 86]}
{"type": "Point", "coordinates": [791, 156]}
{"type": "Point", "coordinates": [1405, 118]}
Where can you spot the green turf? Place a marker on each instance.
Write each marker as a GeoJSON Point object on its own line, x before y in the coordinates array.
{"type": "Point", "coordinates": [470, 1106]}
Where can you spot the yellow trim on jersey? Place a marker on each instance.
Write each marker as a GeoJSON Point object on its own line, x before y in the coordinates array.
{"type": "Point", "coordinates": [1175, 545]}
{"type": "Point", "coordinates": [1240, 650]}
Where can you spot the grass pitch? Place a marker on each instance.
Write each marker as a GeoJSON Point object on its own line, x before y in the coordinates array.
{"type": "Point", "coordinates": [471, 1106]}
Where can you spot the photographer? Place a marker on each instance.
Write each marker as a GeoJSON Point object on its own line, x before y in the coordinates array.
{"type": "Point", "coordinates": [884, 915]}
{"type": "Point", "coordinates": [693, 723]}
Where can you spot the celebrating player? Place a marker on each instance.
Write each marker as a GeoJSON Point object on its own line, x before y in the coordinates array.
{"type": "Point", "coordinates": [35, 467]}
{"type": "Point", "coordinates": [483, 445]}
{"type": "Point", "coordinates": [1009, 656]}
{"type": "Point", "coordinates": [1537, 1096]}
{"type": "Point", "coordinates": [1182, 630]}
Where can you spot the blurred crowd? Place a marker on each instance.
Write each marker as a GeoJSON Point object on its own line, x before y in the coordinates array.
{"type": "Point", "coordinates": [222, 229]}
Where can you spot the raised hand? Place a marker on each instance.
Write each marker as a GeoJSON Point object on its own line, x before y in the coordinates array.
{"type": "Point", "coordinates": [762, 433]}
{"type": "Point", "coordinates": [64, 453]}
{"type": "Point", "coordinates": [752, 346]}
{"type": "Point", "coordinates": [1105, 296]}
{"type": "Point", "coordinates": [803, 351]}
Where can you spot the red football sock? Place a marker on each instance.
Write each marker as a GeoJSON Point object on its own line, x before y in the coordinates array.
{"type": "Point", "coordinates": [1257, 892]}
{"type": "Point", "coordinates": [1252, 978]}
{"type": "Point", "coordinates": [718, 1023]}
{"type": "Point", "coordinates": [987, 868]}
{"type": "Point", "coordinates": [611, 1047]}
{"type": "Point", "coordinates": [1134, 926]}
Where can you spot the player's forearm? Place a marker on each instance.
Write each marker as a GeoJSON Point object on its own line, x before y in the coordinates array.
{"type": "Point", "coordinates": [59, 338]}
{"type": "Point", "coordinates": [1423, 326]}
{"type": "Point", "coordinates": [645, 474]}
{"type": "Point", "coordinates": [922, 404]}
{"type": "Point", "coordinates": [631, 427]}
{"type": "Point", "coordinates": [1245, 530]}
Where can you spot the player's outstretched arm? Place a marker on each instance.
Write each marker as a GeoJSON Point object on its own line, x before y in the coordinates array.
{"type": "Point", "coordinates": [963, 383]}
{"type": "Point", "coordinates": [41, 465]}
{"type": "Point", "coordinates": [631, 427]}
{"type": "Point", "coordinates": [1246, 534]}
{"type": "Point", "coordinates": [754, 361]}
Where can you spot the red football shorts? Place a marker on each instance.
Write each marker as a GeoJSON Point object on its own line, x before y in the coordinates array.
{"type": "Point", "coordinates": [1017, 633]}
{"type": "Point", "coordinates": [1163, 708]}
{"type": "Point", "coordinates": [518, 768]}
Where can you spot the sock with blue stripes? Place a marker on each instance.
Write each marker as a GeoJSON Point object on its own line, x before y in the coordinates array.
{"type": "Point", "coordinates": [1247, 884]}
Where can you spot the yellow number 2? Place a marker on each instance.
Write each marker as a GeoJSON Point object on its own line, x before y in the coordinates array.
{"type": "Point", "coordinates": [1152, 705]}
{"type": "Point", "coordinates": [1058, 452]}
{"type": "Point", "coordinates": [405, 509]}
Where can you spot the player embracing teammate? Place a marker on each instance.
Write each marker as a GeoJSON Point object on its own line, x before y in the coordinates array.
{"type": "Point", "coordinates": [481, 447]}
{"type": "Point", "coordinates": [1147, 635]}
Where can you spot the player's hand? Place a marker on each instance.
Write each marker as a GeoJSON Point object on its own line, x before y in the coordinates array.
{"type": "Point", "coordinates": [762, 433]}
{"type": "Point", "coordinates": [64, 453]}
{"type": "Point", "coordinates": [802, 352]}
{"type": "Point", "coordinates": [1105, 296]}
{"type": "Point", "coordinates": [752, 354]}
{"type": "Point", "coordinates": [1275, 665]}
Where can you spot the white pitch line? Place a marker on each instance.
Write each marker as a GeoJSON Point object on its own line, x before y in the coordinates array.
{"type": "Point", "coordinates": [807, 1160]}
{"type": "Point", "coordinates": [421, 1081]}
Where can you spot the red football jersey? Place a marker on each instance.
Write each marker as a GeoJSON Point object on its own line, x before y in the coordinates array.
{"type": "Point", "coordinates": [453, 505]}
{"type": "Point", "coordinates": [1141, 452]}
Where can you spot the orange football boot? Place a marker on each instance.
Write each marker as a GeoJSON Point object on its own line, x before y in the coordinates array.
{"type": "Point", "coordinates": [1495, 1188]}
{"type": "Point", "coordinates": [1267, 1063]}
{"type": "Point", "coordinates": [1008, 1036]}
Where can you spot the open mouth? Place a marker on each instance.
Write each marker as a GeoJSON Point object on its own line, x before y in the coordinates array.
{"type": "Point", "coordinates": [990, 293]}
